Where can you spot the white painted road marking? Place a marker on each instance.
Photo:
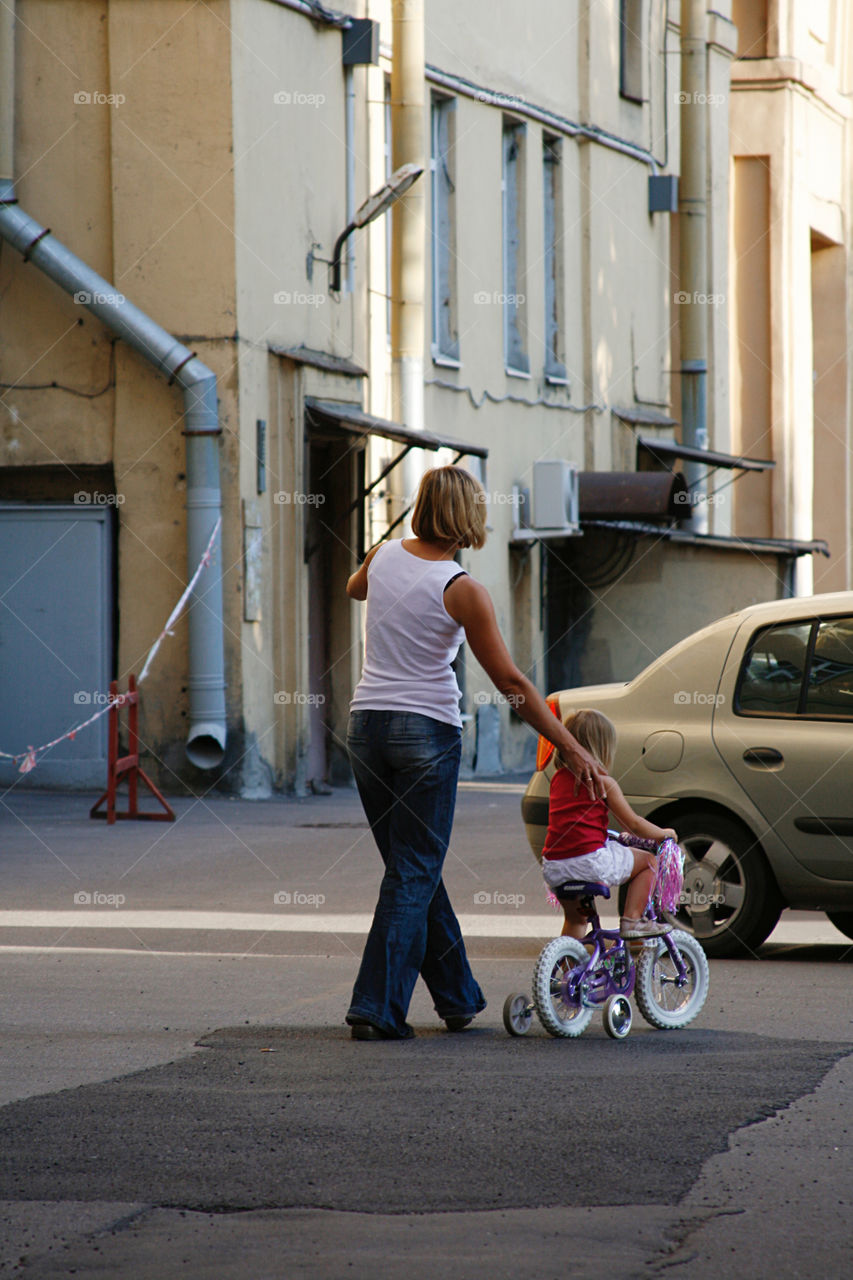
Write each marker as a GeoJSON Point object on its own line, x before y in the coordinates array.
{"type": "Point", "coordinates": [797, 932]}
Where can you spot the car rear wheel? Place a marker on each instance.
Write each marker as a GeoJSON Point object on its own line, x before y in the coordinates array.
{"type": "Point", "coordinates": [730, 901]}
{"type": "Point", "coordinates": [843, 920]}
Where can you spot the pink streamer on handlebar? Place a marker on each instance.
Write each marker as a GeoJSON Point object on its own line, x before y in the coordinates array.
{"type": "Point", "coordinates": [666, 894]}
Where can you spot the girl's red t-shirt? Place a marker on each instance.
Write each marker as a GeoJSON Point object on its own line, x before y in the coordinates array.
{"type": "Point", "coordinates": [577, 824]}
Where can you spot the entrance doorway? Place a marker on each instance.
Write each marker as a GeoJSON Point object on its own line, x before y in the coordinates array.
{"type": "Point", "coordinates": [334, 538]}
{"type": "Point", "coordinates": [56, 638]}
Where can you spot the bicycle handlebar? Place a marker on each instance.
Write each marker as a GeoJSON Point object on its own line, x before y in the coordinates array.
{"type": "Point", "coordinates": [639, 842]}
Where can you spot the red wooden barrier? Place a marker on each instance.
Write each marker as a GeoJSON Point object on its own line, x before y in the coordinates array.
{"type": "Point", "coordinates": [127, 766]}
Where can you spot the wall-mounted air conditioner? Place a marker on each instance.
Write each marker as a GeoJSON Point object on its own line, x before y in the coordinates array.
{"type": "Point", "coordinates": [555, 498]}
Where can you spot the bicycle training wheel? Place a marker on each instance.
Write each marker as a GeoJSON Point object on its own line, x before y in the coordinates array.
{"type": "Point", "coordinates": [660, 1000]}
{"type": "Point", "coordinates": [555, 963]}
{"type": "Point", "coordinates": [617, 1017]}
{"type": "Point", "coordinates": [518, 1014]}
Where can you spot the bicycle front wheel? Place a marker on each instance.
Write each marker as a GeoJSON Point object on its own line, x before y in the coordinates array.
{"type": "Point", "coordinates": [558, 1015]}
{"type": "Point", "coordinates": [661, 1001]}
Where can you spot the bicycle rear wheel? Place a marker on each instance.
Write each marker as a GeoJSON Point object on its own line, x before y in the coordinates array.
{"type": "Point", "coordinates": [558, 1016]}
{"type": "Point", "coordinates": [661, 1001]}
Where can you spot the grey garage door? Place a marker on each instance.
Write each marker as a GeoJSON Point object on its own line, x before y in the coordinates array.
{"type": "Point", "coordinates": [56, 608]}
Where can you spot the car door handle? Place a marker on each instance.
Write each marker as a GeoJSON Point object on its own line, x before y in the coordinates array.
{"type": "Point", "coordinates": [825, 826]}
{"type": "Point", "coordinates": [763, 755]}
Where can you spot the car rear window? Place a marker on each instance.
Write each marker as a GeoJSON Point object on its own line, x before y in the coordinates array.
{"type": "Point", "coordinates": [829, 691]}
{"type": "Point", "coordinates": [800, 668]}
{"type": "Point", "coordinates": [772, 678]}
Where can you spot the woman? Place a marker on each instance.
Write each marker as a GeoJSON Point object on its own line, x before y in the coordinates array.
{"type": "Point", "coordinates": [405, 743]}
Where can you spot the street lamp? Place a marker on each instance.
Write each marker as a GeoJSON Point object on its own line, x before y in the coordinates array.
{"type": "Point", "coordinates": [381, 200]}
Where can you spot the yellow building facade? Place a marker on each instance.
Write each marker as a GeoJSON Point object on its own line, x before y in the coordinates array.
{"type": "Point", "coordinates": [522, 301]}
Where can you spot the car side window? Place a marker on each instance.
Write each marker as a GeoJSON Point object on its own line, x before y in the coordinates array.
{"type": "Point", "coordinates": [771, 679]}
{"type": "Point", "coordinates": [829, 691]}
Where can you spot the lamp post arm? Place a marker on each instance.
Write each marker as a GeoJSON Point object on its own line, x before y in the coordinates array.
{"type": "Point", "coordinates": [337, 254]}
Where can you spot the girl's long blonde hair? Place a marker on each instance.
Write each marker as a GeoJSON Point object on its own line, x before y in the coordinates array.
{"type": "Point", "coordinates": [595, 732]}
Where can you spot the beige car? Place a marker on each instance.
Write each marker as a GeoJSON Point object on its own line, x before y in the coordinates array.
{"type": "Point", "coordinates": [741, 737]}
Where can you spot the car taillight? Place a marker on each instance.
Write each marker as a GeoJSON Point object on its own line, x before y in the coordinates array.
{"type": "Point", "coordinates": [545, 749]}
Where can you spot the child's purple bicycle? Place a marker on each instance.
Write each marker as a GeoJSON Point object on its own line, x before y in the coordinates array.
{"type": "Point", "coordinates": [669, 979]}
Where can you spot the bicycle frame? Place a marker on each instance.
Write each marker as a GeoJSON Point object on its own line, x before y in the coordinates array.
{"type": "Point", "coordinates": [593, 983]}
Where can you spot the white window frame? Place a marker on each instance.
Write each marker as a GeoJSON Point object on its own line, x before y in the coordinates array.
{"type": "Point", "coordinates": [513, 206]}
{"type": "Point", "coordinates": [445, 328]}
{"type": "Point", "coordinates": [554, 259]}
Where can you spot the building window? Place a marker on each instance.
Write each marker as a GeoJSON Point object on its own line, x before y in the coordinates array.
{"type": "Point", "coordinates": [445, 334]}
{"type": "Point", "coordinates": [552, 178]}
{"type": "Point", "coordinates": [631, 47]}
{"type": "Point", "coordinates": [514, 250]}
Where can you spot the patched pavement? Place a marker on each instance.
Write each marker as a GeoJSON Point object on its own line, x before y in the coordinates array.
{"type": "Point", "coordinates": [223, 1125]}
{"type": "Point", "coordinates": [273, 1117]}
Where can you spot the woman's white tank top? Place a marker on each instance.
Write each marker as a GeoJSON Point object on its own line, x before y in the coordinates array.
{"type": "Point", "coordinates": [410, 638]}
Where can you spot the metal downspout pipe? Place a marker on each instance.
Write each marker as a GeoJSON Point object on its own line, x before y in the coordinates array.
{"type": "Point", "coordinates": [206, 739]}
{"type": "Point", "coordinates": [408, 248]}
{"type": "Point", "coordinates": [7, 93]}
{"type": "Point", "coordinates": [349, 135]}
{"type": "Point", "coordinates": [693, 264]}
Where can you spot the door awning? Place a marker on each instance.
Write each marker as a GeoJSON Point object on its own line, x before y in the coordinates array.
{"type": "Point", "coordinates": [331, 420]}
{"type": "Point", "coordinates": [330, 416]}
{"type": "Point", "coordinates": [665, 452]}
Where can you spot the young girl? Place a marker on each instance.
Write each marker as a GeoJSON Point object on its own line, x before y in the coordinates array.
{"type": "Point", "coordinates": [577, 847]}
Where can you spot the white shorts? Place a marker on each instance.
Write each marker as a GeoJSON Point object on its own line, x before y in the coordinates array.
{"type": "Point", "coordinates": [613, 863]}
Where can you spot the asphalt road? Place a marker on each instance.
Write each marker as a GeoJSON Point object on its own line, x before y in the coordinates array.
{"type": "Point", "coordinates": [182, 1097]}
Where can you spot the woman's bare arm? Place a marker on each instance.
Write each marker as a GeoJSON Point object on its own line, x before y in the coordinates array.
{"type": "Point", "coordinates": [631, 821]}
{"type": "Point", "coordinates": [357, 582]}
{"type": "Point", "coordinates": [469, 603]}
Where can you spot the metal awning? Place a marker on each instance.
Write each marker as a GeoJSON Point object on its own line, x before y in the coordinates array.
{"type": "Point", "coordinates": [332, 420]}
{"type": "Point", "coordinates": [331, 415]}
{"type": "Point", "coordinates": [319, 360]}
{"type": "Point", "coordinates": [645, 417]}
{"type": "Point", "coordinates": [716, 541]}
{"type": "Point", "coordinates": [631, 495]}
{"type": "Point", "coordinates": [668, 451]}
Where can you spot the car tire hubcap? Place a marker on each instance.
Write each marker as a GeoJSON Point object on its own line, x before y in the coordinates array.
{"type": "Point", "coordinates": [713, 892]}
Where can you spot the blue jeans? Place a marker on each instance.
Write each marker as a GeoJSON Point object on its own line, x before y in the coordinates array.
{"type": "Point", "coordinates": [406, 766]}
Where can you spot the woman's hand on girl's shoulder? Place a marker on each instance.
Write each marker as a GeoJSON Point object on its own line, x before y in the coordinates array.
{"type": "Point", "coordinates": [587, 772]}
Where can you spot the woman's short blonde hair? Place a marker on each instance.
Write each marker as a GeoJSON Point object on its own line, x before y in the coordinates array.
{"type": "Point", "coordinates": [450, 507]}
{"type": "Point", "coordinates": [595, 732]}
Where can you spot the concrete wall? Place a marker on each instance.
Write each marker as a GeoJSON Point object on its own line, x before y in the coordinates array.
{"type": "Point", "coordinates": [618, 290]}
{"type": "Point", "coordinates": [123, 148]}
{"type": "Point", "coordinates": [790, 118]}
{"type": "Point", "coordinates": [656, 603]}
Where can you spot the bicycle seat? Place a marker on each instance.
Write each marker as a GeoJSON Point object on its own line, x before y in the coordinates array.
{"type": "Point", "coordinates": [581, 889]}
